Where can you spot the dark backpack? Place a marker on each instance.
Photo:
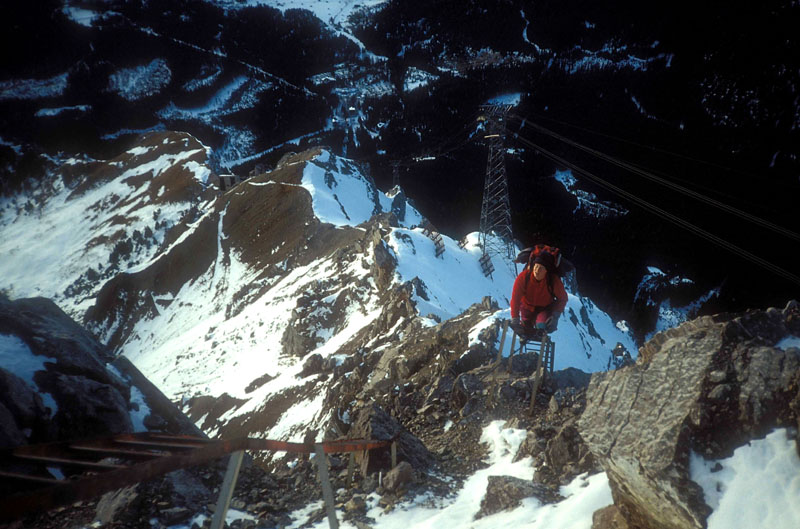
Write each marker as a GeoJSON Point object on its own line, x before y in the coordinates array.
{"type": "Point", "coordinates": [528, 255]}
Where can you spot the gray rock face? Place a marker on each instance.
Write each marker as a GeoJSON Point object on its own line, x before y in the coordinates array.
{"type": "Point", "coordinates": [707, 386]}
{"type": "Point", "coordinates": [10, 434]}
{"type": "Point", "coordinates": [372, 422]}
{"type": "Point", "coordinates": [399, 477]}
{"type": "Point", "coordinates": [89, 398]}
{"type": "Point", "coordinates": [505, 492]}
{"type": "Point", "coordinates": [86, 408]}
{"type": "Point", "coordinates": [22, 409]}
{"type": "Point", "coordinates": [50, 332]}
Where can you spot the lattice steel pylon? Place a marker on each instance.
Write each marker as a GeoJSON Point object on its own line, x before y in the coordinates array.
{"type": "Point", "coordinates": [496, 236]}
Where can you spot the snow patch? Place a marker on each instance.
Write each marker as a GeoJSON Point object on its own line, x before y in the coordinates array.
{"type": "Point", "coordinates": [16, 357]}
{"type": "Point", "coordinates": [728, 484]}
{"type": "Point", "coordinates": [588, 203]}
{"type": "Point", "coordinates": [139, 82]}
{"type": "Point", "coordinates": [788, 342]}
{"type": "Point", "coordinates": [33, 88]}
{"type": "Point", "coordinates": [506, 99]}
{"type": "Point", "coordinates": [50, 112]}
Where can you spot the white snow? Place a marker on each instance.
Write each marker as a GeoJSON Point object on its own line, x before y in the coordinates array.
{"type": "Point", "coordinates": [343, 196]}
{"type": "Point", "coordinates": [201, 172]}
{"type": "Point", "coordinates": [652, 290]}
{"type": "Point", "coordinates": [641, 109]}
{"type": "Point", "coordinates": [241, 93]}
{"type": "Point", "coordinates": [303, 413]}
{"type": "Point", "coordinates": [611, 56]}
{"type": "Point", "coordinates": [16, 357]}
{"type": "Point", "coordinates": [789, 341]}
{"type": "Point", "coordinates": [758, 486]}
{"type": "Point", "coordinates": [141, 81]}
{"type": "Point", "coordinates": [416, 78]}
{"type": "Point", "coordinates": [46, 249]}
{"type": "Point", "coordinates": [222, 99]}
{"type": "Point", "coordinates": [329, 11]}
{"type": "Point", "coordinates": [209, 75]}
{"type": "Point", "coordinates": [84, 17]}
{"type": "Point", "coordinates": [49, 112]}
{"type": "Point", "coordinates": [582, 497]}
{"type": "Point", "coordinates": [588, 203]}
{"type": "Point", "coordinates": [33, 88]}
{"type": "Point", "coordinates": [141, 410]}
{"type": "Point", "coordinates": [512, 99]}
{"type": "Point", "coordinates": [17, 148]}
{"type": "Point", "coordinates": [138, 132]}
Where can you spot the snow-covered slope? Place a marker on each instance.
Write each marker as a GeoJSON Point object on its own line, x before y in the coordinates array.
{"type": "Point", "coordinates": [95, 219]}
{"type": "Point", "coordinates": [233, 294]}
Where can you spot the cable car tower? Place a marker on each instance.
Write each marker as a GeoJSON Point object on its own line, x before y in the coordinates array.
{"type": "Point", "coordinates": [496, 237]}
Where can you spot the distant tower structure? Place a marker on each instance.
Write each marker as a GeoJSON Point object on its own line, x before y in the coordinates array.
{"type": "Point", "coordinates": [496, 237]}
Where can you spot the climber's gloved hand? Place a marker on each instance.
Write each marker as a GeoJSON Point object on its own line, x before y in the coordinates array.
{"type": "Point", "coordinates": [552, 322]}
{"type": "Point", "coordinates": [514, 322]}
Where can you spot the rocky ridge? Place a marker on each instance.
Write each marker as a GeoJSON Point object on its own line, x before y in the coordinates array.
{"type": "Point", "coordinates": [707, 386]}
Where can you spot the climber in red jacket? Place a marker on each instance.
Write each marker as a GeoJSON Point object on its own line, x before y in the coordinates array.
{"type": "Point", "coordinates": [538, 297]}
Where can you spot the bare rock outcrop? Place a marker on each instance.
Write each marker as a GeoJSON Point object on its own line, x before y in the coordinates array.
{"type": "Point", "coordinates": [60, 383]}
{"type": "Point", "coordinates": [506, 492]}
{"type": "Point", "coordinates": [707, 386]}
{"type": "Point", "coordinates": [372, 422]}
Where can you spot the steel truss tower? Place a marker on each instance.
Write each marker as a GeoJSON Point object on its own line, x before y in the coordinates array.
{"type": "Point", "coordinates": [496, 237]}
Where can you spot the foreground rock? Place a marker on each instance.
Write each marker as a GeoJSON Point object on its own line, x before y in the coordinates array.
{"type": "Point", "coordinates": [506, 492]}
{"type": "Point", "coordinates": [57, 383]}
{"type": "Point", "coordinates": [707, 386]}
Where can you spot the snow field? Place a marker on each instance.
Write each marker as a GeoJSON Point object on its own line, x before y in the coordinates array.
{"type": "Point", "coordinates": [45, 250]}
{"type": "Point", "coordinates": [454, 280]}
{"type": "Point", "coordinates": [139, 82]}
{"type": "Point", "coordinates": [758, 486]}
{"type": "Point", "coordinates": [33, 88]}
{"type": "Point", "coordinates": [584, 343]}
{"type": "Point", "coordinates": [583, 496]}
{"type": "Point", "coordinates": [329, 11]}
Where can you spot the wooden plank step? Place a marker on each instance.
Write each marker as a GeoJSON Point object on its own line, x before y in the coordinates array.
{"type": "Point", "coordinates": [69, 462]}
{"type": "Point", "coordinates": [119, 452]}
{"type": "Point", "coordinates": [31, 479]}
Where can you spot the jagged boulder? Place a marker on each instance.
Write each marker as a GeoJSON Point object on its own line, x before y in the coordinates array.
{"type": "Point", "coordinates": [10, 433]}
{"type": "Point", "coordinates": [86, 408]}
{"type": "Point", "coordinates": [506, 492]}
{"type": "Point", "coordinates": [66, 387]}
{"type": "Point", "coordinates": [49, 332]}
{"type": "Point", "coordinates": [21, 408]}
{"type": "Point", "coordinates": [372, 422]}
{"type": "Point", "coordinates": [399, 477]}
{"type": "Point", "coordinates": [609, 518]}
{"type": "Point", "coordinates": [707, 386]}
{"type": "Point", "coordinates": [63, 361]}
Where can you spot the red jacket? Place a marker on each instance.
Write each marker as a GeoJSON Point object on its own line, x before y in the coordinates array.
{"type": "Point", "coordinates": [537, 295]}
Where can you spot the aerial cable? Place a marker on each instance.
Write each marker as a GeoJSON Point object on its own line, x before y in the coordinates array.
{"type": "Point", "coordinates": [664, 214]}
{"type": "Point", "coordinates": [441, 148]}
{"type": "Point", "coordinates": [224, 56]}
{"type": "Point", "coordinates": [675, 187]}
{"type": "Point", "coordinates": [642, 145]}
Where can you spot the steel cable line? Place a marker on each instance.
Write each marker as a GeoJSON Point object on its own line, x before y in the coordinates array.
{"type": "Point", "coordinates": [664, 214]}
{"type": "Point", "coordinates": [675, 187]}
{"type": "Point", "coordinates": [642, 145]}
{"type": "Point", "coordinates": [440, 149]}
